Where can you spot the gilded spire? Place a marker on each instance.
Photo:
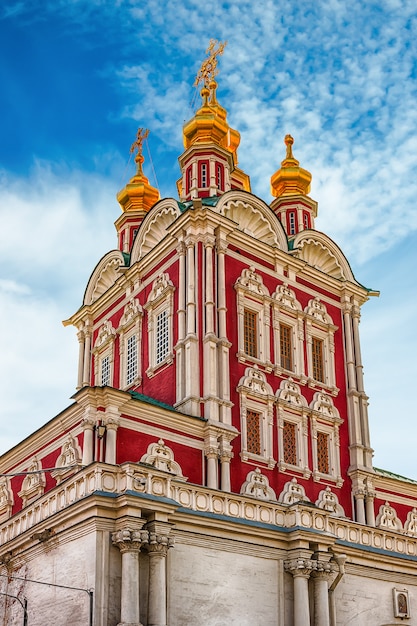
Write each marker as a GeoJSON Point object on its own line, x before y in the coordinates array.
{"type": "Point", "coordinates": [208, 69]}
{"type": "Point", "coordinates": [290, 179]}
{"type": "Point", "coordinates": [138, 194]}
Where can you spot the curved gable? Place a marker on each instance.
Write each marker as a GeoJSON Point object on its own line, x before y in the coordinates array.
{"type": "Point", "coordinates": [105, 274]}
{"type": "Point", "coordinates": [154, 227]}
{"type": "Point", "coordinates": [253, 217]}
{"type": "Point", "coordinates": [321, 252]}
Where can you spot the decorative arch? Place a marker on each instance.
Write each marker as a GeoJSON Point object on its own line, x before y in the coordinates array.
{"type": "Point", "coordinates": [292, 424]}
{"type": "Point", "coordinates": [69, 461]}
{"type": "Point", "coordinates": [328, 501]}
{"type": "Point", "coordinates": [105, 274]}
{"type": "Point", "coordinates": [388, 518]}
{"type": "Point", "coordinates": [321, 252]}
{"type": "Point", "coordinates": [154, 227]}
{"type": "Point", "coordinates": [292, 493]}
{"type": "Point", "coordinates": [6, 499]}
{"type": "Point", "coordinates": [253, 216]}
{"type": "Point", "coordinates": [34, 482]}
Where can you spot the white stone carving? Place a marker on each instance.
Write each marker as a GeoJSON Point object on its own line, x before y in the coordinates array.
{"type": "Point", "coordinates": [318, 310]}
{"type": "Point", "coordinates": [6, 499]}
{"type": "Point", "coordinates": [290, 392]}
{"type": "Point", "coordinates": [293, 492]}
{"type": "Point", "coordinates": [160, 285]}
{"type": "Point", "coordinates": [328, 501]}
{"type": "Point", "coordinates": [33, 484]}
{"type": "Point", "coordinates": [131, 311]}
{"type": "Point", "coordinates": [161, 457]}
{"type": "Point", "coordinates": [255, 219]}
{"type": "Point", "coordinates": [410, 526]}
{"type": "Point", "coordinates": [387, 518]}
{"type": "Point", "coordinates": [323, 403]}
{"type": "Point", "coordinates": [286, 297]}
{"type": "Point", "coordinates": [68, 461]}
{"type": "Point", "coordinates": [254, 382]}
{"type": "Point", "coordinates": [251, 281]}
{"type": "Point", "coordinates": [105, 334]}
{"type": "Point", "coordinates": [318, 255]}
{"type": "Point", "coordinates": [256, 485]}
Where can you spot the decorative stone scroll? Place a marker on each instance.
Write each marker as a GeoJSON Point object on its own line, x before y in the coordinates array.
{"type": "Point", "coordinates": [290, 392]}
{"type": "Point", "coordinates": [318, 311]}
{"type": "Point", "coordinates": [328, 501]}
{"type": "Point", "coordinates": [162, 458]}
{"type": "Point", "coordinates": [254, 382]}
{"type": "Point", "coordinates": [286, 297]}
{"type": "Point", "coordinates": [252, 282]}
{"type": "Point", "coordinates": [105, 334]}
{"type": "Point", "coordinates": [293, 492]}
{"type": "Point", "coordinates": [131, 311]}
{"type": "Point", "coordinates": [6, 499]}
{"type": "Point", "coordinates": [410, 526]}
{"type": "Point", "coordinates": [387, 518]}
{"type": "Point", "coordinates": [256, 485]}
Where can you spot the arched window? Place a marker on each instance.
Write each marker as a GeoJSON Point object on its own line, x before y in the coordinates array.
{"type": "Point", "coordinates": [306, 220]}
{"type": "Point", "coordinates": [203, 174]}
{"type": "Point", "coordinates": [220, 176]}
{"type": "Point", "coordinates": [160, 308]}
{"type": "Point", "coordinates": [291, 223]}
{"type": "Point", "coordinates": [253, 318]}
{"type": "Point", "coordinates": [130, 331]}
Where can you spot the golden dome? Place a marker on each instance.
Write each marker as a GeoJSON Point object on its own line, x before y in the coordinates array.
{"type": "Point", "coordinates": [138, 194]}
{"type": "Point", "coordinates": [290, 179]}
{"type": "Point", "coordinates": [209, 125]}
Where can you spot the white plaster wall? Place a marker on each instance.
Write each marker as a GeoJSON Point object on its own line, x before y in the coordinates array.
{"type": "Point", "coordinates": [70, 564]}
{"type": "Point", "coordinates": [367, 601]}
{"type": "Point", "coordinates": [216, 588]}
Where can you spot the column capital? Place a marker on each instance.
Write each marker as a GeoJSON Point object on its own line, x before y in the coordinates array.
{"type": "Point", "coordinates": [211, 452]}
{"type": "Point", "coordinates": [159, 544]}
{"type": "Point", "coordinates": [323, 570]}
{"type": "Point", "coordinates": [87, 423]}
{"type": "Point", "coordinates": [300, 567]}
{"type": "Point", "coordinates": [130, 540]}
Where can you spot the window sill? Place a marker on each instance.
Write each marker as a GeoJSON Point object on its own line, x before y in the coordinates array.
{"type": "Point", "coordinates": [249, 457]}
{"type": "Point", "coordinates": [152, 371]}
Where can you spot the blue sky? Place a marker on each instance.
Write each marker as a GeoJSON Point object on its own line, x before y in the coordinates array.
{"type": "Point", "coordinates": [79, 77]}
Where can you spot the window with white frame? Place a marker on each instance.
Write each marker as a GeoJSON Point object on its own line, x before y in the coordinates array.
{"type": "Point", "coordinates": [288, 328]}
{"type": "Point", "coordinates": [103, 352]}
{"type": "Point", "coordinates": [130, 331]}
{"type": "Point", "coordinates": [325, 424]}
{"type": "Point", "coordinates": [256, 415]}
{"type": "Point", "coordinates": [253, 305]}
{"type": "Point", "coordinates": [320, 332]}
{"type": "Point", "coordinates": [292, 423]}
{"type": "Point", "coordinates": [160, 308]}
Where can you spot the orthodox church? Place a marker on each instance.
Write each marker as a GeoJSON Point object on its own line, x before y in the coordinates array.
{"type": "Point", "coordinates": [215, 465]}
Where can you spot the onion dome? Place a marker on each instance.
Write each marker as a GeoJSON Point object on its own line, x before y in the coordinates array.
{"type": "Point", "coordinates": [290, 179]}
{"type": "Point", "coordinates": [138, 194]}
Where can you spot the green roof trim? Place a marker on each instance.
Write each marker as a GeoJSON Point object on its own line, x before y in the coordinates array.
{"type": "Point", "coordinates": [140, 396]}
{"type": "Point", "coordinates": [388, 474]}
{"type": "Point", "coordinates": [126, 258]}
{"type": "Point", "coordinates": [211, 201]}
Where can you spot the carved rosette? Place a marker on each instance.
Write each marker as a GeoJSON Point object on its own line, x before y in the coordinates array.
{"type": "Point", "coordinates": [130, 540]}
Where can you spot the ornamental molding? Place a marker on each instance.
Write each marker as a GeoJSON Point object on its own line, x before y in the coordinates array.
{"type": "Point", "coordinates": [106, 334]}
{"type": "Point", "coordinates": [161, 457]}
{"type": "Point", "coordinates": [410, 526]}
{"type": "Point", "coordinates": [160, 287]}
{"type": "Point", "coordinates": [285, 297]}
{"type": "Point", "coordinates": [6, 499]}
{"type": "Point", "coordinates": [251, 282]}
{"type": "Point", "coordinates": [317, 310]}
{"type": "Point", "coordinates": [387, 518]}
{"type": "Point", "coordinates": [256, 485]}
{"type": "Point", "coordinates": [328, 501]}
{"type": "Point", "coordinates": [154, 228]}
{"type": "Point", "coordinates": [69, 461]}
{"type": "Point", "coordinates": [34, 482]}
{"type": "Point", "coordinates": [131, 312]}
{"type": "Point", "coordinates": [254, 383]}
{"type": "Point", "coordinates": [290, 393]}
{"type": "Point", "coordinates": [322, 404]}
{"type": "Point", "coordinates": [292, 493]}
{"type": "Point", "coordinates": [104, 276]}
{"type": "Point", "coordinates": [253, 217]}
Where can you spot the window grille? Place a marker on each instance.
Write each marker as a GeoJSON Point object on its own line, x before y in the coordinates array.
{"type": "Point", "coordinates": [162, 337]}
{"type": "Point", "coordinates": [219, 176]}
{"type": "Point", "coordinates": [290, 445]}
{"type": "Point", "coordinates": [105, 371]}
{"type": "Point", "coordinates": [306, 222]}
{"type": "Point", "coordinates": [317, 359]}
{"type": "Point", "coordinates": [131, 359]}
{"type": "Point", "coordinates": [204, 174]}
{"type": "Point", "coordinates": [250, 333]}
{"type": "Point", "coordinates": [285, 347]}
{"type": "Point", "coordinates": [323, 453]}
{"type": "Point", "coordinates": [253, 432]}
{"type": "Point", "coordinates": [292, 223]}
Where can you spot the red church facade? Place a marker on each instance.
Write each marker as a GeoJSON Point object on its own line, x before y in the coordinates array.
{"type": "Point", "coordinates": [220, 403]}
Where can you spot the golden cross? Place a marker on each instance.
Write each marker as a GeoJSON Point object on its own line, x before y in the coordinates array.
{"type": "Point", "coordinates": [208, 69]}
{"type": "Point", "coordinates": [142, 134]}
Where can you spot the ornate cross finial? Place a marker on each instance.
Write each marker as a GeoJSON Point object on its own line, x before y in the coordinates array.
{"type": "Point", "coordinates": [208, 69]}
{"type": "Point", "coordinates": [289, 142]}
{"type": "Point", "coordinates": [142, 134]}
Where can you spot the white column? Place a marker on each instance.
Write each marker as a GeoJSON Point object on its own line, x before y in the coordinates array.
{"type": "Point", "coordinates": [112, 424]}
{"type": "Point", "coordinates": [81, 348]}
{"type": "Point", "coordinates": [226, 455]}
{"type": "Point", "coordinates": [224, 345]}
{"type": "Point", "coordinates": [129, 543]}
{"type": "Point", "coordinates": [360, 507]}
{"type": "Point", "coordinates": [212, 456]}
{"type": "Point", "coordinates": [300, 569]}
{"type": "Point", "coordinates": [87, 357]}
{"type": "Point", "coordinates": [181, 324]}
{"type": "Point", "coordinates": [363, 400]}
{"type": "Point", "coordinates": [321, 593]}
{"type": "Point", "coordinates": [88, 428]}
{"type": "Point", "coordinates": [369, 502]}
{"type": "Point", "coordinates": [210, 379]}
{"type": "Point", "coordinates": [157, 593]}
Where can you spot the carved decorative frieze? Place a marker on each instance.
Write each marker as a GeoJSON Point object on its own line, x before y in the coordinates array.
{"type": "Point", "coordinates": [256, 485]}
